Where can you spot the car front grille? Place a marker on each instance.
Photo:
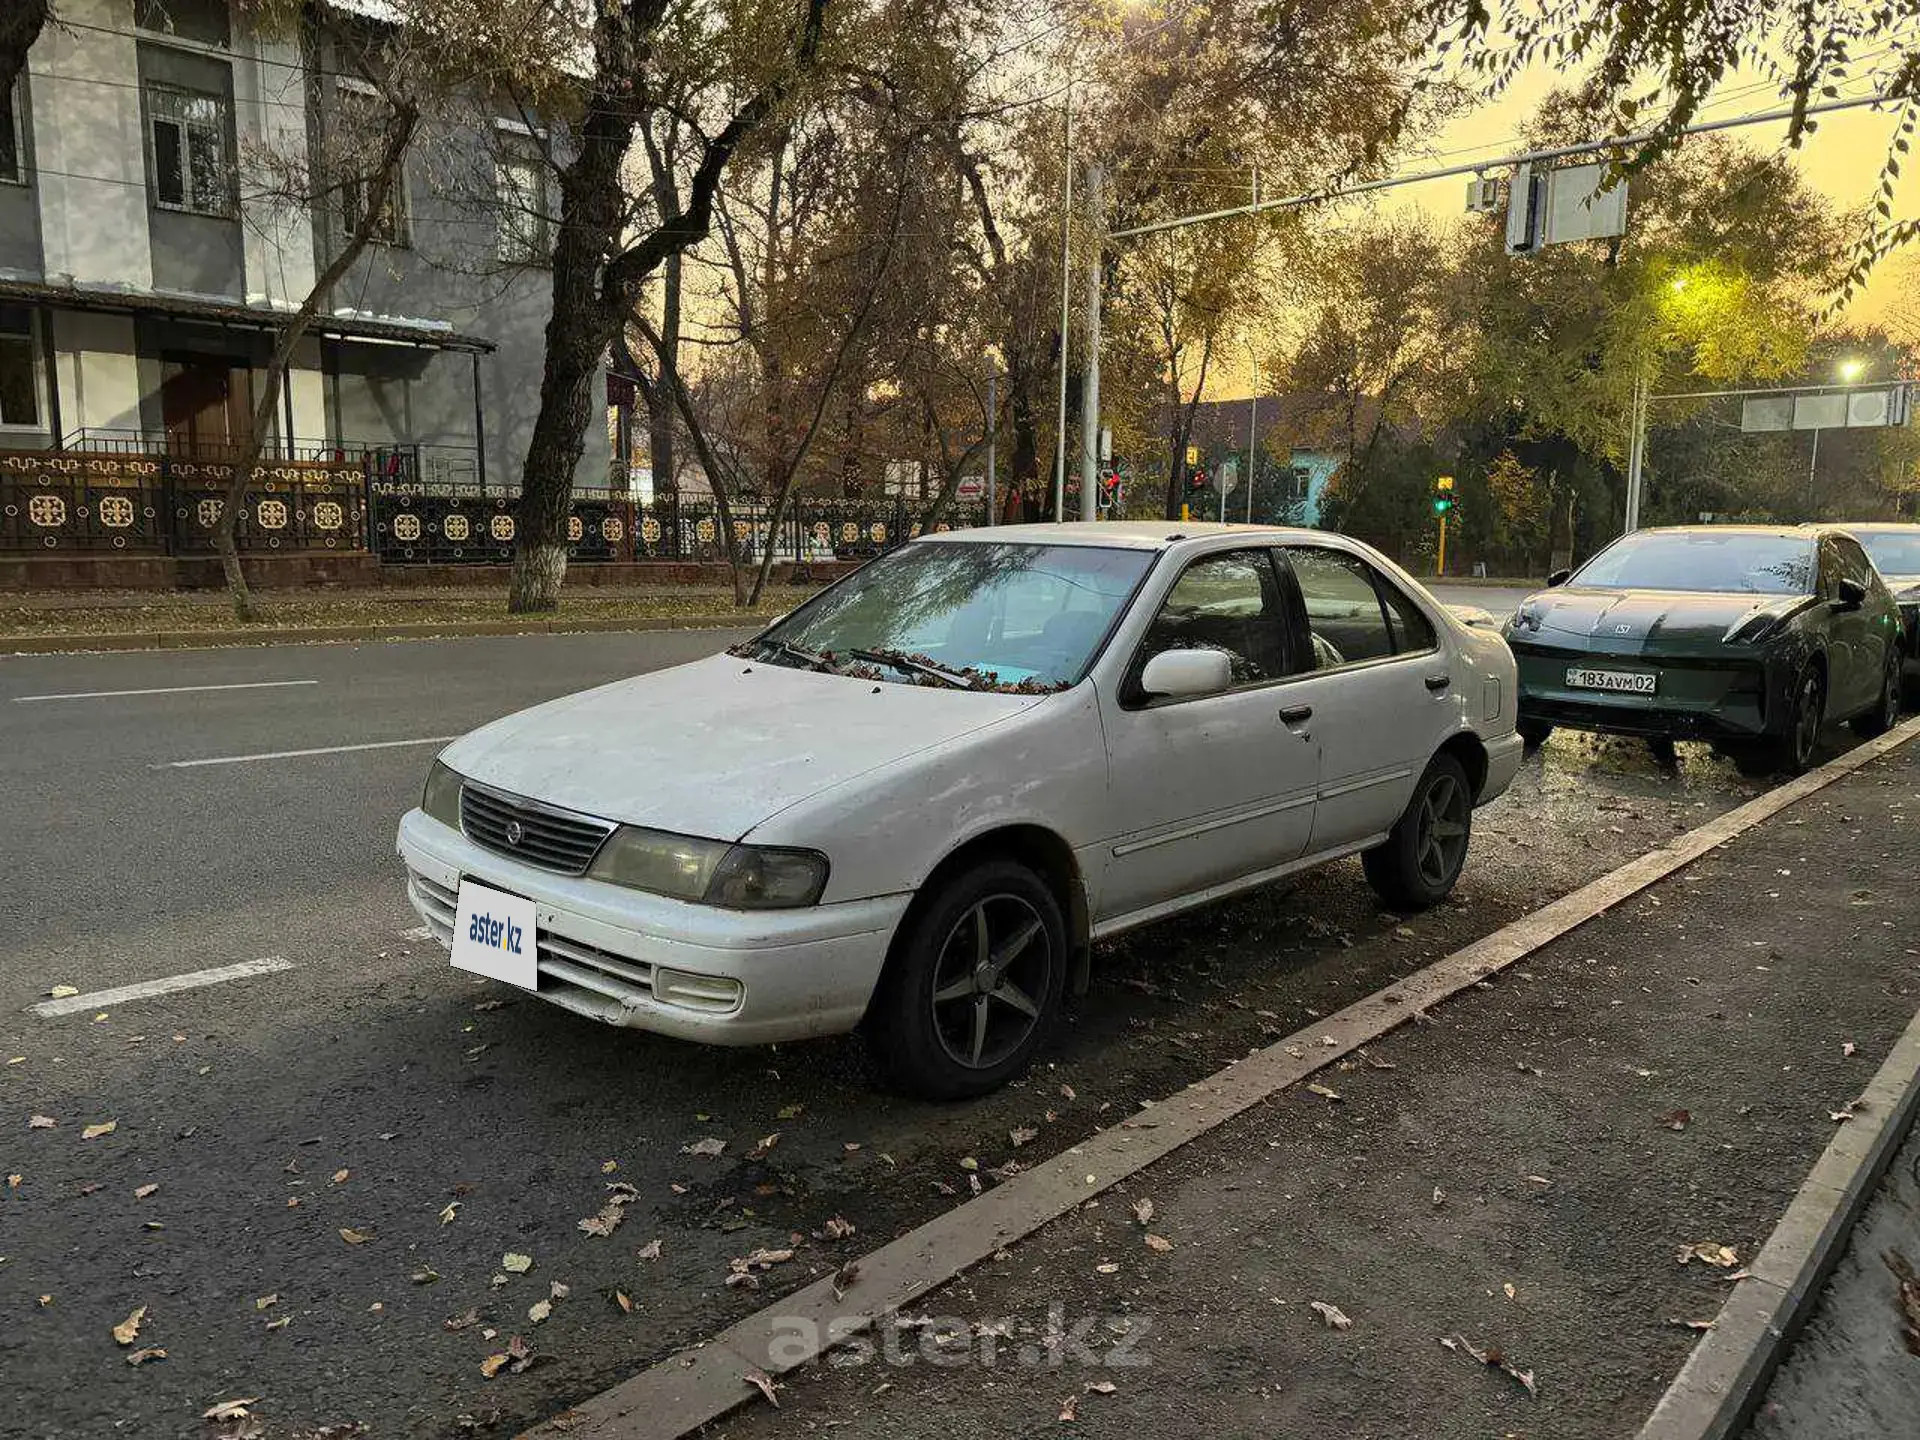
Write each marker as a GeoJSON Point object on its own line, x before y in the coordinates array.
{"type": "Point", "coordinates": [537, 834]}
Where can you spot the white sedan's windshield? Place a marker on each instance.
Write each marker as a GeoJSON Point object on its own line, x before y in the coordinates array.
{"type": "Point", "coordinates": [1740, 561]}
{"type": "Point", "coordinates": [972, 615]}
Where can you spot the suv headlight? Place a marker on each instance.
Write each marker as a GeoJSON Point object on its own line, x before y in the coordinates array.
{"type": "Point", "coordinates": [711, 872]}
{"type": "Point", "coordinates": [440, 797]}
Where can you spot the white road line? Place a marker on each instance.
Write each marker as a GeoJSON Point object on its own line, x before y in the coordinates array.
{"type": "Point", "coordinates": [101, 999]}
{"type": "Point", "coordinates": [164, 690]}
{"type": "Point", "coordinates": [298, 754]}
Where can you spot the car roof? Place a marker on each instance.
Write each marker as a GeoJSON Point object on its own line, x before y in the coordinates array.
{"type": "Point", "coordinates": [1118, 534]}
{"type": "Point", "coordinates": [1880, 527]}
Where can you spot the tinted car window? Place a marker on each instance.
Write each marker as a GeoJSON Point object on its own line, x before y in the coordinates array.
{"type": "Point", "coordinates": [1345, 620]}
{"type": "Point", "coordinates": [1896, 552]}
{"type": "Point", "coordinates": [1229, 603]}
{"type": "Point", "coordinates": [1703, 560]}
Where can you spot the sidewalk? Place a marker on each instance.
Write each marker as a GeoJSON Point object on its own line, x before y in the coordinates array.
{"type": "Point", "coordinates": [1518, 1177]}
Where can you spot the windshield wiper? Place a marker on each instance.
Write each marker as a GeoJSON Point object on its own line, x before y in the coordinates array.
{"type": "Point", "coordinates": [805, 657]}
{"type": "Point", "coordinates": [901, 661]}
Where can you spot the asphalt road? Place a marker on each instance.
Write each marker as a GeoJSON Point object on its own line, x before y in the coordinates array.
{"type": "Point", "coordinates": [353, 1144]}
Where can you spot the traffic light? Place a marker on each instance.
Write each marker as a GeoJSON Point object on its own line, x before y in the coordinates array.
{"type": "Point", "coordinates": [1442, 495]}
{"type": "Point", "coordinates": [1197, 481]}
{"type": "Point", "coordinates": [1109, 490]}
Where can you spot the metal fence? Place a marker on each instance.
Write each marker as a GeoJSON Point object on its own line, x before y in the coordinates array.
{"type": "Point", "coordinates": [399, 504]}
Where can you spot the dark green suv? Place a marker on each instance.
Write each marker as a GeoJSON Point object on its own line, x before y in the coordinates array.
{"type": "Point", "coordinates": [1752, 637]}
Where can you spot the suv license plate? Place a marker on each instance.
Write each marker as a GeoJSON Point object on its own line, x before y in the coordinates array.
{"type": "Point", "coordinates": [1630, 682]}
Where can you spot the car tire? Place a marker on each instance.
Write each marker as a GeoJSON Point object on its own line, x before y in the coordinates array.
{"type": "Point", "coordinates": [990, 940]}
{"type": "Point", "coordinates": [1419, 862]}
{"type": "Point", "coordinates": [1791, 752]}
{"type": "Point", "coordinates": [1533, 733]}
{"type": "Point", "coordinates": [1885, 713]}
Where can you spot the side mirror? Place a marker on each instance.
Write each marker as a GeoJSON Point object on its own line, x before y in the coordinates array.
{"type": "Point", "coordinates": [1559, 577]}
{"type": "Point", "coordinates": [1852, 594]}
{"type": "Point", "coordinates": [1187, 672]}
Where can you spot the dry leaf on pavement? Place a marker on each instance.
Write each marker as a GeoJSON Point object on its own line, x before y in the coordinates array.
{"type": "Point", "coordinates": [1022, 1135]}
{"type": "Point", "coordinates": [494, 1364]}
{"type": "Point", "coordinates": [539, 1311]}
{"type": "Point", "coordinates": [62, 992]}
{"type": "Point", "coordinates": [766, 1143]}
{"type": "Point", "coordinates": [1324, 1091]}
{"type": "Point", "coordinates": [446, 1215]}
{"type": "Point", "coordinates": [1847, 1048]}
{"type": "Point", "coordinates": [1335, 1317]}
{"type": "Point", "coordinates": [1439, 1196]}
{"type": "Point", "coordinates": [355, 1237]}
{"type": "Point", "coordinates": [763, 1382]}
{"type": "Point", "coordinates": [340, 1176]}
{"type": "Point", "coordinates": [1143, 1210]}
{"type": "Point", "coordinates": [1101, 1387]}
{"type": "Point", "coordinates": [1686, 1324]}
{"type": "Point", "coordinates": [605, 1222]}
{"type": "Point", "coordinates": [709, 1146]}
{"type": "Point", "coordinates": [1721, 1257]}
{"type": "Point", "coordinates": [1158, 1243]}
{"type": "Point", "coordinates": [281, 1323]}
{"type": "Point", "coordinates": [230, 1409]}
{"type": "Point", "coordinates": [515, 1264]}
{"type": "Point", "coordinates": [650, 1250]}
{"type": "Point", "coordinates": [1676, 1119]}
{"type": "Point", "coordinates": [41, 1122]}
{"type": "Point", "coordinates": [129, 1329]}
{"type": "Point", "coordinates": [94, 1132]}
{"type": "Point", "coordinates": [620, 1299]}
{"type": "Point", "coordinates": [151, 1352]}
{"type": "Point", "coordinates": [267, 1302]}
{"type": "Point", "coordinates": [142, 1192]}
{"type": "Point", "coordinates": [465, 1320]}
{"type": "Point", "coordinates": [1070, 1409]}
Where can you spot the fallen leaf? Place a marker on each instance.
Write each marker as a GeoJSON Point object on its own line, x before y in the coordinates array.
{"type": "Point", "coordinates": [620, 1299]}
{"type": "Point", "coordinates": [1143, 1210]}
{"type": "Point", "coordinates": [1721, 1257]}
{"type": "Point", "coordinates": [465, 1320]}
{"type": "Point", "coordinates": [340, 1177]}
{"type": "Point", "coordinates": [650, 1250]}
{"type": "Point", "coordinates": [152, 1352]}
{"type": "Point", "coordinates": [143, 1191]}
{"type": "Point", "coordinates": [267, 1302]}
{"type": "Point", "coordinates": [1327, 1092]}
{"type": "Point", "coordinates": [62, 992]}
{"type": "Point", "coordinates": [14, 1180]}
{"type": "Point", "coordinates": [126, 1331]}
{"type": "Point", "coordinates": [230, 1409]}
{"type": "Point", "coordinates": [1101, 1387]}
{"type": "Point", "coordinates": [1511, 1293]}
{"type": "Point", "coordinates": [1022, 1135]}
{"type": "Point", "coordinates": [766, 1143]}
{"type": "Point", "coordinates": [844, 1277]}
{"type": "Point", "coordinates": [1686, 1324]}
{"type": "Point", "coordinates": [607, 1167]}
{"type": "Point", "coordinates": [709, 1146]}
{"type": "Point", "coordinates": [356, 1237]}
{"type": "Point", "coordinates": [1069, 1409]}
{"type": "Point", "coordinates": [94, 1132]}
{"type": "Point", "coordinates": [41, 1122]}
{"type": "Point", "coordinates": [1107, 1267]}
{"type": "Point", "coordinates": [1333, 1315]}
{"type": "Point", "coordinates": [494, 1364]}
{"type": "Point", "coordinates": [1067, 1092]}
{"type": "Point", "coordinates": [1439, 1196]}
{"type": "Point", "coordinates": [836, 1229]}
{"type": "Point", "coordinates": [762, 1382]}
{"type": "Point", "coordinates": [1158, 1243]}
{"type": "Point", "coordinates": [1842, 1115]}
{"type": "Point", "coordinates": [605, 1222]}
{"type": "Point", "coordinates": [425, 1277]}
{"type": "Point", "coordinates": [1847, 1048]}
{"type": "Point", "coordinates": [281, 1323]}
{"type": "Point", "coordinates": [446, 1215]}
{"type": "Point", "coordinates": [539, 1311]}
{"type": "Point", "coordinates": [790, 1112]}
{"type": "Point", "coordinates": [967, 1162]}
{"type": "Point", "coordinates": [515, 1264]}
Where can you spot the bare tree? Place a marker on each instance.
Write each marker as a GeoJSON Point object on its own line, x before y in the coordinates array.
{"type": "Point", "coordinates": [21, 22]}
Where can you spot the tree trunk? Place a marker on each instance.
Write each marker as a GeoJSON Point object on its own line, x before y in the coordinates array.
{"type": "Point", "coordinates": [576, 335]}
{"type": "Point", "coordinates": [659, 403]}
{"type": "Point", "coordinates": [21, 22]}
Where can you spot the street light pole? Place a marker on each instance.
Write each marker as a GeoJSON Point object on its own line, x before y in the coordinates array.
{"type": "Point", "coordinates": [993, 436]}
{"type": "Point", "coordinates": [1090, 377]}
{"type": "Point", "coordinates": [1253, 432]}
{"type": "Point", "coordinates": [1636, 447]}
{"type": "Point", "coordinates": [1066, 292]}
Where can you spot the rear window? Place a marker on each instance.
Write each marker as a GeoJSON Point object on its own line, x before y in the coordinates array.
{"type": "Point", "coordinates": [1703, 560]}
{"type": "Point", "coordinates": [1896, 552]}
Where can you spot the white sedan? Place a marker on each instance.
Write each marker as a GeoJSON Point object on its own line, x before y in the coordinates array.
{"type": "Point", "coordinates": [911, 806]}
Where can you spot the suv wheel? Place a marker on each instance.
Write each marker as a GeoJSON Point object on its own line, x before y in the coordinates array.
{"type": "Point", "coordinates": [969, 996]}
{"type": "Point", "coordinates": [1421, 858]}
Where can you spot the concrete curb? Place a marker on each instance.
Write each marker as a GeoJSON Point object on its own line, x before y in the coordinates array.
{"type": "Point", "coordinates": [399, 630]}
{"type": "Point", "coordinates": [1717, 1390]}
{"type": "Point", "coordinates": [698, 1385]}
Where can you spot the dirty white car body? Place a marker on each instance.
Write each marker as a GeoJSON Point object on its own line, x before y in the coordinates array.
{"type": "Point", "coordinates": [1130, 807]}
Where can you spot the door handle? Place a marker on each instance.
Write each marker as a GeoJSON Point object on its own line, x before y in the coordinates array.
{"type": "Point", "coordinates": [1437, 683]}
{"type": "Point", "coordinates": [1297, 714]}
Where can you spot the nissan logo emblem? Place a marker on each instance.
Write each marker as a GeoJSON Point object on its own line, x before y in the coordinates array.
{"type": "Point", "coordinates": [1618, 630]}
{"type": "Point", "coordinates": [516, 832]}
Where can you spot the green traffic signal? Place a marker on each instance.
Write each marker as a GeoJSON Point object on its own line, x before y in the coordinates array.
{"type": "Point", "coordinates": [1441, 505]}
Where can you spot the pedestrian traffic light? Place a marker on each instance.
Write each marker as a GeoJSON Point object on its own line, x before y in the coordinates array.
{"type": "Point", "coordinates": [1442, 494]}
{"type": "Point", "coordinates": [1109, 490]}
{"type": "Point", "coordinates": [1198, 480]}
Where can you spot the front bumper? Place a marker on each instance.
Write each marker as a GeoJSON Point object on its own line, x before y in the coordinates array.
{"type": "Point", "coordinates": [1731, 698]}
{"type": "Point", "coordinates": [697, 972]}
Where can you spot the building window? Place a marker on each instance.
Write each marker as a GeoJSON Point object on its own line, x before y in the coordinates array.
{"type": "Point", "coordinates": [525, 235]}
{"type": "Point", "coordinates": [13, 136]}
{"type": "Point", "coordinates": [19, 368]}
{"type": "Point", "coordinates": [362, 137]}
{"type": "Point", "coordinates": [187, 149]}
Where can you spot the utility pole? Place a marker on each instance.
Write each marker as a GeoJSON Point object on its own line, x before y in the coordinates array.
{"type": "Point", "coordinates": [1253, 411]}
{"type": "Point", "coordinates": [1066, 293]}
{"type": "Point", "coordinates": [1636, 447]}
{"type": "Point", "coordinates": [1090, 378]}
{"type": "Point", "coordinates": [993, 436]}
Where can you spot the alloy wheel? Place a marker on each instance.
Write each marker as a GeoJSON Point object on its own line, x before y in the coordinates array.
{"type": "Point", "coordinates": [1808, 711]}
{"type": "Point", "coordinates": [994, 971]}
{"type": "Point", "coordinates": [1440, 842]}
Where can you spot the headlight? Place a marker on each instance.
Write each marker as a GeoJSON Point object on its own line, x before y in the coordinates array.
{"type": "Point", "coordinates": [739, 877]}
{"type": "Point", "coordinates": [440, 797]}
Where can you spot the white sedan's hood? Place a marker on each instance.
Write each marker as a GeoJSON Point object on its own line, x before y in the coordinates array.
{"type": "Point", "coordinates": [718, 746]}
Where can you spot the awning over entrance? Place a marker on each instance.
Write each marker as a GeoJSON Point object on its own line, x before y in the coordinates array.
{"type": "Point", "coordinates": [389, 330]}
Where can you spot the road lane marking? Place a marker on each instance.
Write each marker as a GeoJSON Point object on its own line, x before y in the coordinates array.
{"type": "Point", "coordinates": [163, 690]}
{"type": "Point", "coordinates": [687, 1391]}
{"type": "Point", "coordinates": [298, 754]}
{"type": "Point", "coordinates": [101, 999]}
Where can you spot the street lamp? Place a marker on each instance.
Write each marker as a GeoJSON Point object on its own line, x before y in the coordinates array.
{"type": "Point", "coordinates": [1851, 370]}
